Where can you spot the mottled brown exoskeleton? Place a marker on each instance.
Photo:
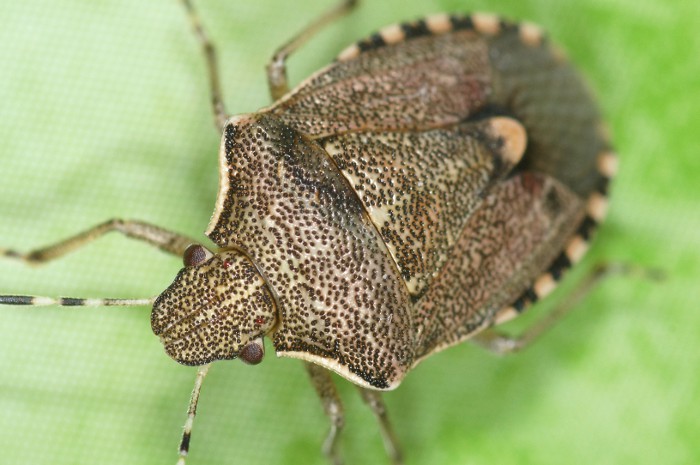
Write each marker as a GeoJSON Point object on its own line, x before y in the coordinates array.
{"type": "Point", "coordinates": [432, 182]}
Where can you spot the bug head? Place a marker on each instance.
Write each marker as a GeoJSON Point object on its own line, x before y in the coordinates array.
{"type": "Point", "coordinates": [218, 308]}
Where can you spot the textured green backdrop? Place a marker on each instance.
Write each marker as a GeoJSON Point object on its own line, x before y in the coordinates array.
{"type": "Point", "coordinates": [105, 113]}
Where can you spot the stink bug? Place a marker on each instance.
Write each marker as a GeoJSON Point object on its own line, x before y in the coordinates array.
{"type": "Point", "coordinates": [433, 181]}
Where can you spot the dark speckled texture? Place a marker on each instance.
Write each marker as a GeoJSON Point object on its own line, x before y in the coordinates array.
{"type": "Point", "coordinates": [374, 197]}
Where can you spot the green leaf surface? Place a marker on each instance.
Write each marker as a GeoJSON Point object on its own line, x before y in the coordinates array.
{"type": "Point", "coordinates": [105, 114]}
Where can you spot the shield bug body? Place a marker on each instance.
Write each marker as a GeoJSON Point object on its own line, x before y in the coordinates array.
{"type": "Point", "coordinates": [433, 181]}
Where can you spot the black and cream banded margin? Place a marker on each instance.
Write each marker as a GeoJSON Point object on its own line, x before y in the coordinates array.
{"type": "Point", "coordinates": [575, 248]}
{"type": "Point", "coordinates": [533, 36]}
{"type": "Point", "coordinates": [442, 23]}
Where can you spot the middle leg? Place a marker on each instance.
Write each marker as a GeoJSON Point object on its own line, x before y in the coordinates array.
{"type": "Point", "coordinates": [332, 406]}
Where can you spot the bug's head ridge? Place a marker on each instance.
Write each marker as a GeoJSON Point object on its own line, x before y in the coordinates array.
{"type": "Point", "coordinates": [219, 307]}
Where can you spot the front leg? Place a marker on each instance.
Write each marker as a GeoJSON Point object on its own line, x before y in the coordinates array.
{"type": "Point", "coordinates": [156, 236]}
{"type": "Point", "coordinates": [165, 240]}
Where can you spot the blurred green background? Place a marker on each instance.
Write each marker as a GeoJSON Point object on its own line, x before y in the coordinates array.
{"type": "Point", "coordinates": [105, 113]}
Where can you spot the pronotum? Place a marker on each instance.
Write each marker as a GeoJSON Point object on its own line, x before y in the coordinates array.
{"type": "Point", "coordinates": [432, 182]}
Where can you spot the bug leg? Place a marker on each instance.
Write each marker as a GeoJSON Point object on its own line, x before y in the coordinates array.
{"type": "Point", "coordinates": [217, 101]}
{"type": "Point", "coordinates": [501, 343]}
{"type": "Point", "coordinates": [332, 406]}
{"type": "Point", "coordinates": [277, 67]}
{"type": "Point", "coordinates": [375, 402]}
{"type": "Point", "coordinates": [165, 240]}
{"type": "Point", "coordinates": [191, 412]}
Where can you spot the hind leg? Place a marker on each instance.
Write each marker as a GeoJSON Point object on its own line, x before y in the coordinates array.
{"type": "Point", "coordinates": [500, 343]}
{"type": "Point", "coordinates": [277, 67]}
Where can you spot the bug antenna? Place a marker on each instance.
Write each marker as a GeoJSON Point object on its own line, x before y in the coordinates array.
{"type": "Point", "coordinates": [191, 412]}
{"type": "Point", "coordinates": [41, 301]}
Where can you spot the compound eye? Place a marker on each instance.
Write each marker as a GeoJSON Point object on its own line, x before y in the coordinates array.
{"type": "Point", "coordinates": [196, 254]}
{"type": "Point", "coordinates": [253, 352]}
